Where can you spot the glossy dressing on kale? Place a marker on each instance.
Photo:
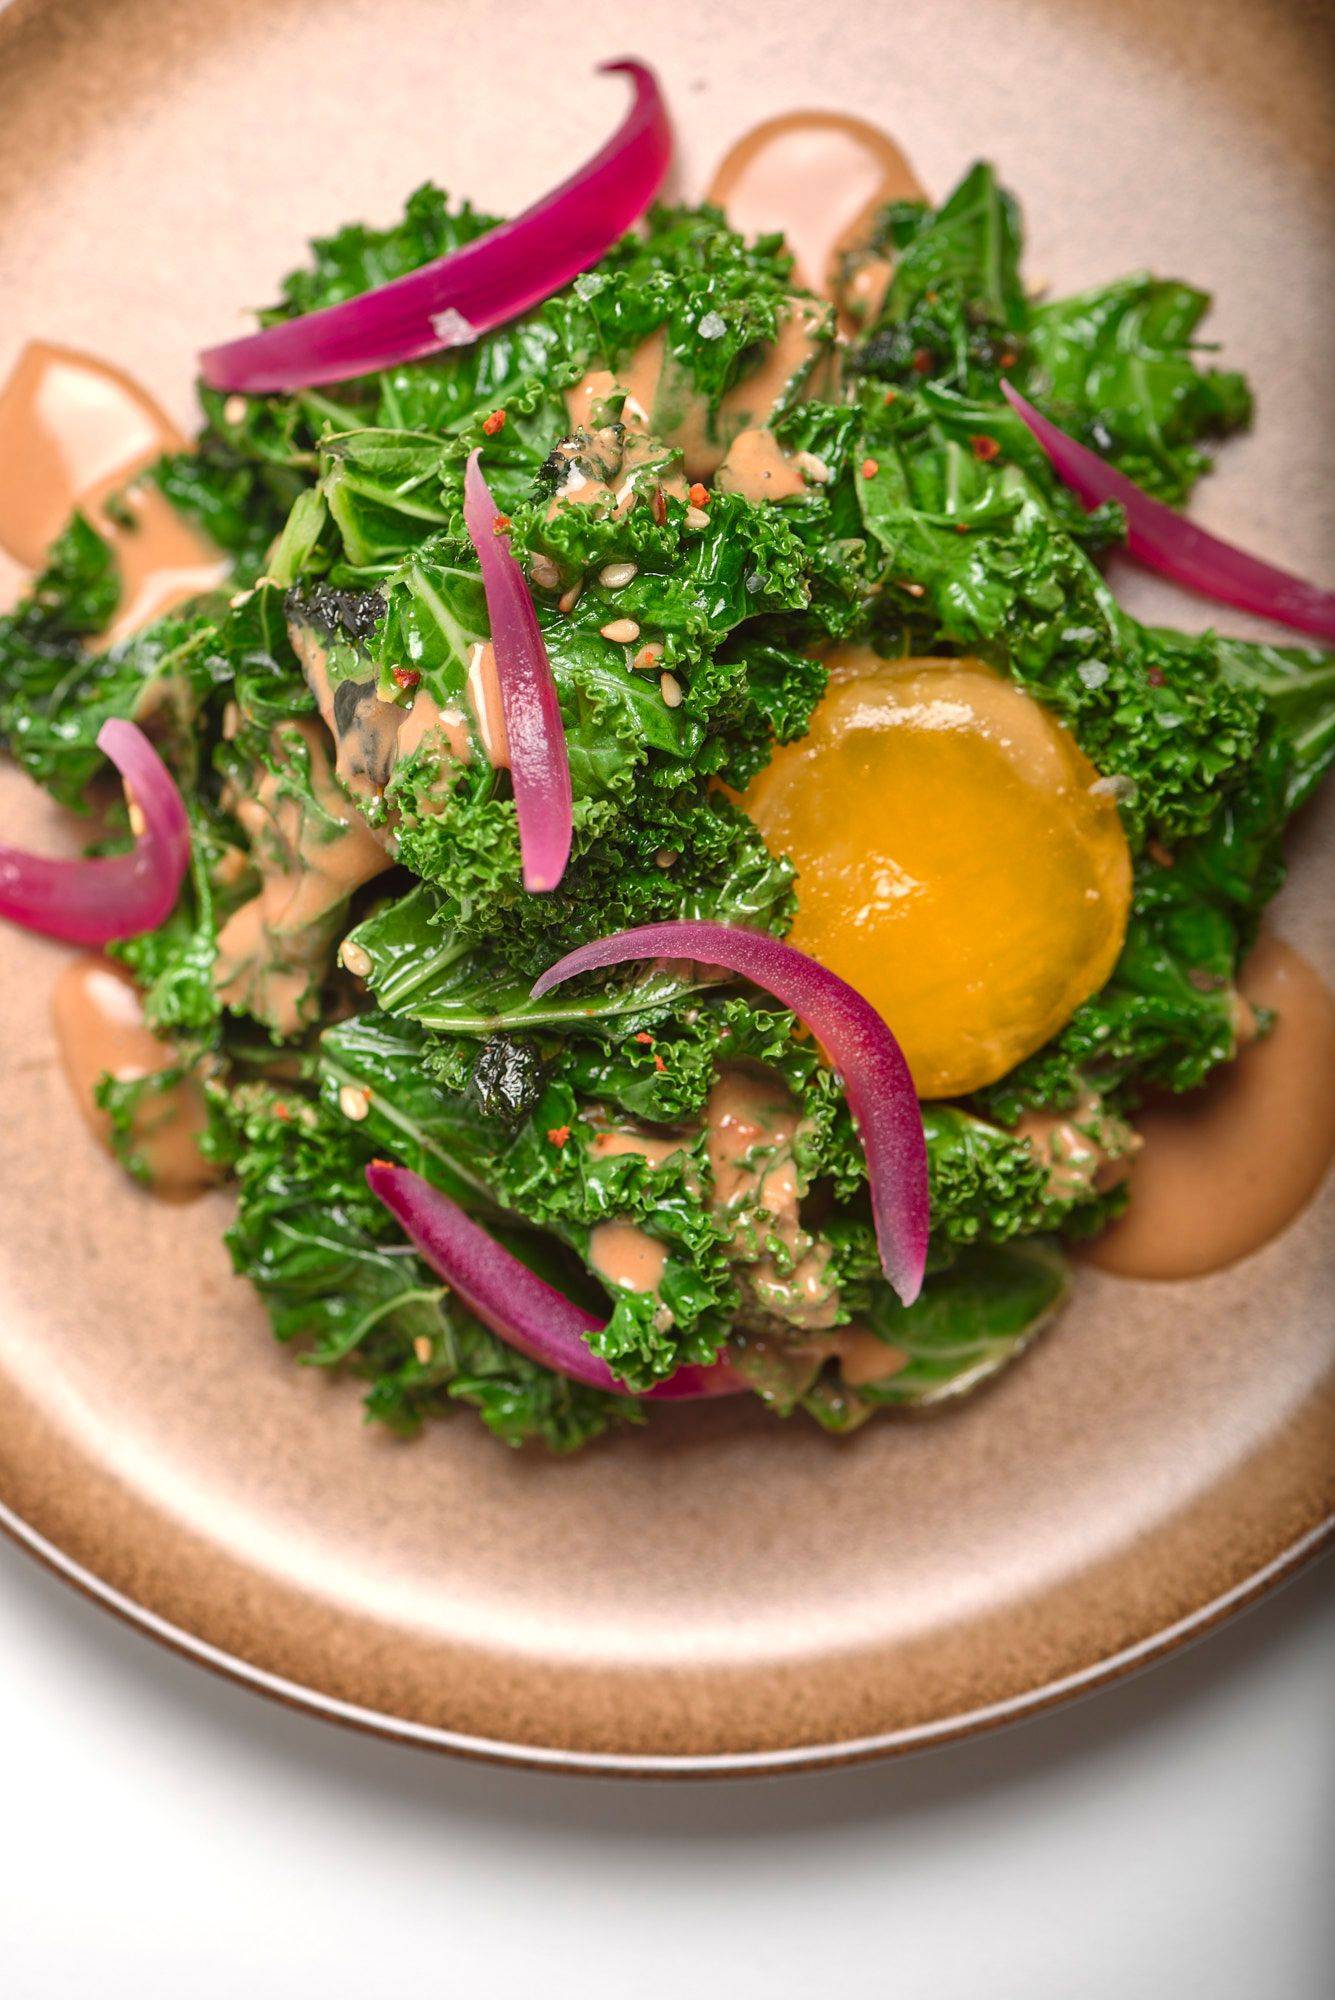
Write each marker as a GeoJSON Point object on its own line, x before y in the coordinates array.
{"type": "Point", "coordinates": [1219, 1174]}
{"type": "Point", "coordinates": [101, 1031]}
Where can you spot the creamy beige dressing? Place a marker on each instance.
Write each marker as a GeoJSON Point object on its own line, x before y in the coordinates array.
{"type": "Point", "coordinates": [1225, 1169]}
{"type": "Point", "coordinates": [865, 286]}
{"type": "Point", "coordinates": [758, 468]}
{"type": "Point", "coordinates": [483, 689]}
{"type": "Point", "coordinates": [426, 724]}
{"type": "Point", "coordinates": [780, 1370]}
{"type": "Point", "coordinates": [627, 1255]}
{"type": "Point", "coordinates": [614, 460]}
{"type": "Point", "coordinates": [672, 407]}
{"type": "Point", "coordinates": [751, 1124]}
{"type": "Point", "coordinates": [372, 735]}
{"type": "Point", "coordinates": [272, 951]}
{"type": "Point", "coordinates": [615, 1141]}
{"type": "Point", "coordinates": [74, 432]}
{"type": "Point", "coordinates": [100, 1031]}
{"type": "Point", "coordinates": [820, 177]}
{"type": "Point", "coordinates": [1077, 1163]}
{"type": "Point", "coordinates": [865, 1357]}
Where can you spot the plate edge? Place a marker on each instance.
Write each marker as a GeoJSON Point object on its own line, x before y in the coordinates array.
{"type": "Point", "coordinates": [1146, 1652]}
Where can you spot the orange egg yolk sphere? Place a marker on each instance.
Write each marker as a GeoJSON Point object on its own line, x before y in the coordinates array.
{"type": "Point", "coordinates": [958, 860]}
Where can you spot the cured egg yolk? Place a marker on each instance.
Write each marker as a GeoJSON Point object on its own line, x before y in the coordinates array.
{"type": "Point", "coordinates": [959, 861]}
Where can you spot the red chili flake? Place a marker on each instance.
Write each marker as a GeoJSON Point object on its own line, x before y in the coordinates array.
{"type": "Point", "coordinates": [645, 1038]}
{"type": "Point", "coordinates": [1158, 853]}
{"type": "Point", "coordinates": [501, 525]}
{"type": "Point", "coordinates": [281, 1111]}
{"type": "Point", "coordinates": [495, 422]}
{"type": "Point", "coordinates": [1008, 359]}
{"type": "Point", "coordinates": [1156, 677]}
{"type": "Point", "coordinates": [658, 507]}
{"type": "Point", "coordinates": [984, 447]}
{"type": "Point", "coordinates": [698, 495]}
{"type": "Point", "coordinates": [924, 361]}
{"type": "Point", "coordinates": [558, 1134]}
{"type": "Point", "coordinates": [891, 395]}
{"type": "Point", "coordinates": [961, 527]}
{"type": "Point", "coordinates": [659, 1064]}
{"type": "Point", "coordinates": [406, 677]}
{"type": "Point", "coordinates": [869, 468]}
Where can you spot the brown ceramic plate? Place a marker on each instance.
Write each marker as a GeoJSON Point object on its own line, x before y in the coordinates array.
{"type": "Point", "coordinates": [723, 1592]}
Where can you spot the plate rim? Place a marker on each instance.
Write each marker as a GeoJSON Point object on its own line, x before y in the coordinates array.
{"type": "Point", "coordinates": [1148, 1651]}
{"type": "Point", "coordinates": [301, 1696]}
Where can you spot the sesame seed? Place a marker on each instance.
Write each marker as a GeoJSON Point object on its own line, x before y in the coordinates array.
{"type": "Point", "coordinates": [422, 1349]}
{"type": "Point", "coordinates": [138, 824]}
{"type": "Point", "coordinates": [234, 410]}
{"type": "Point", "coordinates": [544, 572]}
{"type": "Point", "coordinates": [812, 468]}
{"type": "Point", "coordinates": [354, 958]}
{"type": "Point", "coordinates": [648, 656]}
{"type": "Point", "coordinates": [622, 631]}
{"type": "Point", "coordinates": [666, 857]}
{"type": "Point", "coordinates": [615, 575]}
{"type": "Point", "coordinates": [670, 689]}
{"type": "Point", "coordinates": [696, 518]}
{"type": "Point", "coordinates": [354, 1102]}
{"type": "Point", "coordinates": [570, 598]}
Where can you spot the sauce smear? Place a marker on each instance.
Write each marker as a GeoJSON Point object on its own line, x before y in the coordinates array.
{"type": "Point", "coordinates": [1225, 1169]}
{"type": "Point", "coordinates": [819, 176]}
{"type": "Point", "coordinates": [75, 431]}
{"type": "Point", "coordinates": [100, 1029]}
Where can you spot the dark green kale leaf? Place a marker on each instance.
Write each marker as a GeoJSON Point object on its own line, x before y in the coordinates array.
{"type": "Point", "coordinates": [718, 299]}
{"type": "Point", "coordinates": [1170, 1012]}
{"type": "Point", "coordinates": [173, 965]}
{"type": "Point", "coordinates": [55, 692]}
{"type": "Point", "coordinates": [973, 561]}
{"type": "Point", "coordinates": [955, 308]}
{"type": "Point", "coordinates": [1116, 368]}
{"type": "Point", "coordinates": [340, 1281]}
{"type": "Point", "coordinates": [547, 1174]}
{"type": "Point", "coordinates": [968, 1324]}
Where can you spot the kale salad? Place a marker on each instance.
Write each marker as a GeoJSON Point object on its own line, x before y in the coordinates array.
{"type": "Point", "coordinates": [755, 525]}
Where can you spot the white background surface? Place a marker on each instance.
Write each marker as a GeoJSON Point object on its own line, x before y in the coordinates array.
{"type": "Point", "coordinates": [171, 1835]}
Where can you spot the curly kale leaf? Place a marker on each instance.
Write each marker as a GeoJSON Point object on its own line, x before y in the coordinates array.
{"type": "Point", "coordinates": [1116, 366]}
{"type": "Point", "coordinates": [973, 561]}
{"type": "Point", "coordinates": [1169, 1014]}
{"type": "Point", "coordinates": [955, 305]}
{"type": "Point", "coordinates": [339, 1280]}
{"type": "Point", "coordinates": [717, 298]}
{"type": "Point", "coordinates": [56, 692]}
{"type": "Point", "coordinates": [968, 1324]}
{"type": "Point", "coordinates": [547, 1173]}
